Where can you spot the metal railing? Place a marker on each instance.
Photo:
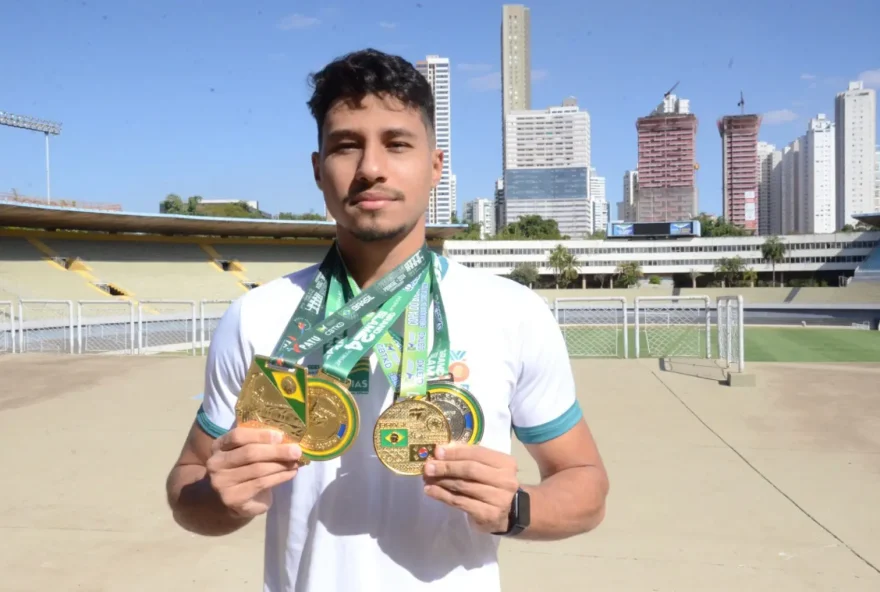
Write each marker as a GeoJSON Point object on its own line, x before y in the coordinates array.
{"type": "Point", "coordinates": [167, 326]}
{"type": "Point", "coordinates": [45, 326]}
{"type": "Point", "coordinates": [210, 313]}
{"type": "Point", "coordinates": [7, 327]}
{"type": "Point", "coordinates": [731, 331]}
{"type": "Point", "coordinates": [105, 327]}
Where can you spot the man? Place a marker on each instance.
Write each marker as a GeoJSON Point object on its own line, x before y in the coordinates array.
{"type": "Point", "coordinates": [349, 523]}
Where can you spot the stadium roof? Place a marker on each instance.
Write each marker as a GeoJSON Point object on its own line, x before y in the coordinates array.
{"type": "Point", "coordinates": [872, 219]}
{"type": "Point", "coordinates": [58, 218]}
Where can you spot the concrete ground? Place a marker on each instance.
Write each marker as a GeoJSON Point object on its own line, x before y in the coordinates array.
{"type": "Point", "coordinates": [712, 488]}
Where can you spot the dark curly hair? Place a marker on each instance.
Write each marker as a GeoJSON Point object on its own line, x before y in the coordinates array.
{"type": "Point", "coordinates": [365, 72]}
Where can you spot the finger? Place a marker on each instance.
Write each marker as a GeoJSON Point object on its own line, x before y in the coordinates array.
{"type": "Point", "coordinates": [480, 454]}
{"type": "Point", "coordinates": [497, 498]}
{"type": "Point", "coordinates": [481, 512]}
{"type": "Point", "coordinates": [240, 436]}
{"type": "Point", "coordinates": [463, 469]}
{"type": "Point", "coordinates": [248, 490]}
{"type": "Point", "coordinates": [256, 453]}
{"type": "Point", "coordinates": [239, 475]}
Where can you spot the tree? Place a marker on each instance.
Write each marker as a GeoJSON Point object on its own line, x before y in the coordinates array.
{"type": "Point", "coordinates": [454, 219]}
{"type": "Point", "coordinates": [472, 233]}
{"type": "Point", "coordinates": [564, 265]}
{"type": "Point", "coordinates": [598, 235]}
{"type": "Point", "coordinates": [628, 274]}
{"type": "Point", "coordinates": [172, 204]}
{"type": "Point", "coordinates": [711, 226]}
{"type": "Point", "coordinates": [524, 274]}
{"type": "Point", "coordinates": [750, 276]}
{"type": "Point", "coordinates": [773, 250]}
{"type": "Point", "coordinates": [731, 270]}
{"type": "Point", "coordinates": [307, 216]}
{"type": "Point", "coordinates": [531, 228]}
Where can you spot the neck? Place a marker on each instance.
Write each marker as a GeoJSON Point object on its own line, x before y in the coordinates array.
{"type": "Point", "coordinates": [369, 261]}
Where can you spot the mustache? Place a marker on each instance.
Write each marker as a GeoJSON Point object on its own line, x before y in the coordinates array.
{"type": "Point", "coordinates": [359, 188]}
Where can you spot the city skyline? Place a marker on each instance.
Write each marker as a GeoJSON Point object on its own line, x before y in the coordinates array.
{"type": "Point", "coordinates": [179, 118]}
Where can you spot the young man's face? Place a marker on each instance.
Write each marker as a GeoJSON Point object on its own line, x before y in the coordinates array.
{"type": "Point", "coordinates": [376, 167]}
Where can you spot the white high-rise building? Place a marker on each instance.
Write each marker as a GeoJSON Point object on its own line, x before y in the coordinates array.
{"type": "Point", "coordinates": [769, 159]}
{"type": "Point", "coordinates": [855, 122]}
{"type": "Point", "coordinates": [819, 212]}
{"type": "Point", "coordinates": [481, 211]}
{"type": "Point", "coordinates": [546, 167]}
{"type": "Point", "coordinates": [453, 190]}
{"type": "Point", "coordinates": [627, 209]}
{"type": "Point", "coordinates": [877, 180]}
{"type": "Point", "coordinates": [791, 187]}
{"type": "Point", "coordinates": [442, 201]}
{"type": "Point", "coordinates": [598, 200]}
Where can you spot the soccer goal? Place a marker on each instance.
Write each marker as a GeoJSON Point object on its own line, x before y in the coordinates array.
{"type": "Point", "coordinates": [730, 331]}
{"type": "Point", "coordinates": [672, 326]}
{"type": "Point", "coordinates": [593, 327]}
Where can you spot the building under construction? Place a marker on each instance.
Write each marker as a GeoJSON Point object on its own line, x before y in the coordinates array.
{"type": "Point", "coordinates": [667, 163]}
{"type": "Point", "coordinates": [740, 169]}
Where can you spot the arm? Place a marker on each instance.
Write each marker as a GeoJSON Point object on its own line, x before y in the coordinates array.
{"type": "Point", "coordinates": [571, 496]}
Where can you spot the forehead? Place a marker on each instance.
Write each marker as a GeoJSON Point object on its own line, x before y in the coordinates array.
{"type": "Point", "coordinates": [374, 112]}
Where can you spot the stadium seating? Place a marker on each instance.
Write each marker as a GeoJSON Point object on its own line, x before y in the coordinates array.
{"type": "Point", "coordinates": [869, 269]}
{"type": "Point", "coordinates": [263, 263]}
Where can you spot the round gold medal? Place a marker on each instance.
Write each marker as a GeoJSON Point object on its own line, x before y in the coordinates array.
{"type": "Point", "coordinates": [332, 419]}
{"type": "Point", "coordinates": [406, 434]}
{"type": "Point", "coordinates": [462, 411]}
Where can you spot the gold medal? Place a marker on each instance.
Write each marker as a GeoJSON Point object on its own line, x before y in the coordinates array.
{"type": "Point", "coordinates": [261, 403]}
{"type": "Point", "coordinates": [462, 411]}
{"type": "Point", "coordinates": [406, 434]}
{"type": "Point", "coordinates": [332, 419]}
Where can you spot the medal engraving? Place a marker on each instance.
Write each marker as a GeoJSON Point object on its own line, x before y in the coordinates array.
{"type": "Point", "coordinates": [407, 432]}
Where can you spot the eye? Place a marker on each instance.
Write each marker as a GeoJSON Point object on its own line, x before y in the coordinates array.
{"type": "Point", "coordinates": [398, 146]}
{"type": "Point", "coordinates": [345, 147]}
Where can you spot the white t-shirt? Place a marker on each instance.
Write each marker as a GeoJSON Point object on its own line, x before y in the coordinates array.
{"type": "Point", "coordinates": [350, 524]}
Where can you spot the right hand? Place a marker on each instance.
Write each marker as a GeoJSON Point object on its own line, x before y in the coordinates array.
{"type": "Point", "coordinates": [246, 463]}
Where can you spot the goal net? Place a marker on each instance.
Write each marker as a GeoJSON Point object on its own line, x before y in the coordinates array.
{"type": "Point", "coordinates": [672, 326]}
{"type": "Point", "coordinates": [593, 327]}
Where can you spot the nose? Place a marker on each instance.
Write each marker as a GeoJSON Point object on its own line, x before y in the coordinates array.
{"type": "Point", "coordinates": [371, 168]}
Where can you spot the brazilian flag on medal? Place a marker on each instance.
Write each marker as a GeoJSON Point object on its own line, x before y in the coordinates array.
{"type": "Point", "coordinates": [290, 382]}
{"type": "Point", "coordinates": [394, 438]}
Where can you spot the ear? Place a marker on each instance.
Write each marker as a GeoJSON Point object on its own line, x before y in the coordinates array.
{"type": "Point", "coordinates": [437, 158]}
{"type": "Point", "coordinates": [316, 169]}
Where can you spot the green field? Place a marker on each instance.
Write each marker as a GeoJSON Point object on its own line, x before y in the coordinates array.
{"type": "Point", "coordinates": [762, 344]}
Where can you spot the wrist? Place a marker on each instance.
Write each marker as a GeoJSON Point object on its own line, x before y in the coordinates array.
{"type": "Point", "coordinates": [519, 514]}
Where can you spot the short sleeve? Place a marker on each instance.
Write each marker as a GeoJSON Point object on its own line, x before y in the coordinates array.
{"type": "Point", "coordinates": [225, 371]}
{"type": "Point", "coordinates": [544, 404]}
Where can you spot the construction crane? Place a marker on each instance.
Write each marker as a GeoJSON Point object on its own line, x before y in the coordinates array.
{"type": "Point", "coordinates": [669, 92]}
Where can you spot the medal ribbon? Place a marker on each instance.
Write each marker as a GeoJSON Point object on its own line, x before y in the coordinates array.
{"type": "Point", "coordinates": [310, 327]}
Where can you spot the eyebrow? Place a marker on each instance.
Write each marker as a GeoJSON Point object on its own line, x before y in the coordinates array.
{"type": "Point", "coordinates": [350, 134]}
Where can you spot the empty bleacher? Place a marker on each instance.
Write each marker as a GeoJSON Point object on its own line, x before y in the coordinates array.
{"type": "Point", "coordinates": [152, 270]}
{"type": "Point", "coordinates": [263, 263]}
{"type": "Point", "coordinates": [869, 269]}
{"type": "Point", "coordinates": [28, 273]}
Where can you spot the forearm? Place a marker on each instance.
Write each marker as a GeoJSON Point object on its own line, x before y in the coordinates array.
{"type": "Point", "coordinates": [567, 503]}
{"type": "Point", "coordinates": [196, 506]}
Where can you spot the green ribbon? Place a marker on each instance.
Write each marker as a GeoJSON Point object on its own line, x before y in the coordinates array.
{"type": "Point", "coordinates": [325, 314]}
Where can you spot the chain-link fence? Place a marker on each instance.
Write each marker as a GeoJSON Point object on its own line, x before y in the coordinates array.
{"type": "Point", "coordinates": [45, 326]}
{"type": "Point", "coordinates": [167, 326]}
{"type": "Point", "coordinates": [593, 327]}
{"type": "Point", "coordinates": [7, 328]}
{"type": "Point", "coordinates": [105, 327]}
{"type": "Point", "coordinates": [210, 313]}
{"type": "Point", "coordinates": [672, 326]}
{"type": "Point", "coordinates": [731, 336]}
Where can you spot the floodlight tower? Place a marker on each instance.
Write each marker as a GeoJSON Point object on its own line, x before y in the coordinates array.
{"type": "Point", "coordinates": [35, 125]}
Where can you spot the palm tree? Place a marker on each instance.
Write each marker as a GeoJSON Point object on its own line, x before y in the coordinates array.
{"type": "Point", "coordinates": [564, 265]}
{"type": "Point", "coordinates": [730, 269]}
{"type": "Point", "coordinates": [773, 250]}
{"type": "Point", "coordinates": [629, 273]}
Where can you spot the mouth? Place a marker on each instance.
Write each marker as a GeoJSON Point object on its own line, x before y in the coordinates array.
{"type": "Point", "coordinates": [371, 200]}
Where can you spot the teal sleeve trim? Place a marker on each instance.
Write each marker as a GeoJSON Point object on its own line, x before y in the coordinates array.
{"type": "Point", "coordinates": [444, 266]}
{"type": "Point", "coordinates": [209, 427]}
{"type": "Point", "coordinates": [552, 429]}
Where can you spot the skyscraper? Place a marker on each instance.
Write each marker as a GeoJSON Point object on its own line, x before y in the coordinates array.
{"type": "Point", "coordinates": [516, 59]}
{"type": "Point", "coordinates": [546, 168]}
{"type": "Point", "coordinates": [818, 214]}
{"type": "Point", "coordinates": [436, 69]}
{"type": "Point", "coordinates": [855, 122]}
{"type": "Point", "coordinates": [627, 209]}
{"type": "Point", "coordinates": [739, 176]}
{"type": "Point", "coordinates": [598, 201]}
{"type": "Point", "coordinates": [791, 187]}
{"type": "Point", "coordinates": [667, 163]}
{"type": "Point", "coordinates": [769, 189]}
{"type": "Point", "coordinates": [480, 211]}
{"type": "Point", "coordinates": [516, 64]}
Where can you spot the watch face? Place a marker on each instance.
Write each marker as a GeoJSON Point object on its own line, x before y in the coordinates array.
{"type": "Point", "coordinates": [523, 508]}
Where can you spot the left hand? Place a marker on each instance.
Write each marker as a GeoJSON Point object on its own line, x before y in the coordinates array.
{"type": "Point", "coordinates": [480, 481]}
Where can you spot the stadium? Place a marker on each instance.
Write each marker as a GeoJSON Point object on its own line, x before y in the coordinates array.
{"type": "Point", "coordinates": [748, 409]}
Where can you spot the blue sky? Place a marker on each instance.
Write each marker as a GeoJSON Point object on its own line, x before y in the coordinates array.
{"type": "Point", "coordinates": [208, 97]}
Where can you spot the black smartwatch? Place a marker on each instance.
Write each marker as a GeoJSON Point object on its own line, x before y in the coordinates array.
{"type": "Point", "coordinates": [519, 516]}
